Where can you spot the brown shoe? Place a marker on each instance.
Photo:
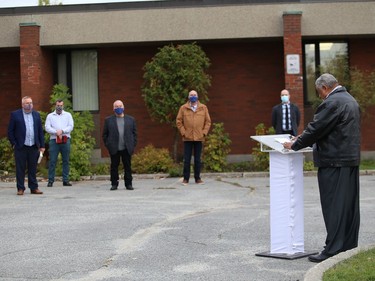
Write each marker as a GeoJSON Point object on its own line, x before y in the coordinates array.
{"type": "Point", "coordinates": [20, 192]}
{"type": "Point", "coordinates": [199, 181]}
{"type": "Point", "coordinates": [36, 191]}
{"type": "Point", "coordinates": [185, 182]}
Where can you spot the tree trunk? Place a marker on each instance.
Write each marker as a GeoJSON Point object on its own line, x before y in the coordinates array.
{"type": "Point", "coordinates": [175, 145]}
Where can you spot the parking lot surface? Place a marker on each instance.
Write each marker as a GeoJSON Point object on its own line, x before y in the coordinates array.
{"type": "Point", "coordinates": [160, 231]}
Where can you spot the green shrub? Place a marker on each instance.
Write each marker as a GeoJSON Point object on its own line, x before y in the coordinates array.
{"type": "Point", "coordinates": [308, 166]}
{"type": "Point", "coordinates": [151, 160]}
{"type": "Point", "coordinates": [261, 159]}
{"type": "Point", "coordinates": [7, 163]}
{"type": "Point", "coordinates": [216, 149]}
{"type": "Point", "coordinates": [175, 171]}
{"type": "Point", "coordinates": [100, 169]}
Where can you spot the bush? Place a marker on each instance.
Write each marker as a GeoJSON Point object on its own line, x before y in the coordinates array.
{"type": "Point", "coordinates": [216, 149]}
{"type": "Point", "coordinates": [7, 163]}
{"type": "Point", "coordinates": [100, 169]}
{"type": "Point", "coordinates": [261, 159]}
{"type": "Point", "coordinates": [151, 160]}
{"type": "Point", "coordinates": [308, 166]}
{"type": "Point", "coordinates": [175, 171]}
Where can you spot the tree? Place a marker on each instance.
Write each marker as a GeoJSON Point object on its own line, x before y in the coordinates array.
{"type": "Point", "coordinates": [44, 3]}
{"type": "Point", "coordinates": [360, 83]}
{"type": "Point", "coordinates": [48, 3]}
{"type": "Point", "coordinates": [168, 78]}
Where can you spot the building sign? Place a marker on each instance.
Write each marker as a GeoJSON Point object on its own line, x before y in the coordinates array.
{"type": "Point", "coordinates": [292, 64]}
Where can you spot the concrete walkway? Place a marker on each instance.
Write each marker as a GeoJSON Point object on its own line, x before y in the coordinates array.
{"type": "Point", "coordinates": [160, 231]}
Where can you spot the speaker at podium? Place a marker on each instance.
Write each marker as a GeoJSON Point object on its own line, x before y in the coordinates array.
{"type": "Point", "coordinates": [286, 198]}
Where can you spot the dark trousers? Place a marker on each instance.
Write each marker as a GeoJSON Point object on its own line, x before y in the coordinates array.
{"type": "Point", "coordinates": [26, 158]}
{"type": "Point", "coordinates": [339, 197]}
{"type": "Point", "coordinates": [126, 162]}
{"type": "Point", "coordinates": [189, 147]}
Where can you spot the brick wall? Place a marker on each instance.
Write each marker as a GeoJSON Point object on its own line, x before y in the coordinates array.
{"type": "Point", "coordinates": [10, 87]}
{"type": "Point", "coordinates": [362, 56]}
{"type": "Point", "coordinates": [246, 83]}
{"type": "Point", "coordinates": [247, 77]}
{"type": "Point", "coordinates": [36, 66]}
{"type": "Point", "coordinates": [120, 77]}
{"type": "Point", "coordinates": [293, 46]}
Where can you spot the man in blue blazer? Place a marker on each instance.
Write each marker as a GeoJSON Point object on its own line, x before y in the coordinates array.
{"type": "Point", "coordinates": [25, 133]}
{"type": "Point", "coordinates": [286, 116]}
{"type": "Point", "coordinates": [120, 138]}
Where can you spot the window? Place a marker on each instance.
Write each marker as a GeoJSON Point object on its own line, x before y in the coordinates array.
{"type": "Point", "coordinates": [79, 71]}
{"type": "Point", "coordinates": [323, 57]}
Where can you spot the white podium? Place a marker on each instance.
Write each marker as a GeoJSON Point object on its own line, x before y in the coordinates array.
{"type": "Point", "coordinates": [286, 198]}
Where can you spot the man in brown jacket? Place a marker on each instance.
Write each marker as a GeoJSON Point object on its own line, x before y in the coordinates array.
{"type": "Point", "coordinates": [193, 121]}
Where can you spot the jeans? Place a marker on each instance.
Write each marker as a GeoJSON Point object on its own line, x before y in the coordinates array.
{"type": "Point", "coordinates": [54, 150]}
{"type": "Point", "coordinates": [189, 147]}
{"type": "Point", "coordinates": [126, 162]}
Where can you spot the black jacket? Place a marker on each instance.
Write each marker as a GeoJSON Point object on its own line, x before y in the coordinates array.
{"type": "Point", "coordinates": [277, 118]}
{"type": "Point", "coordinates": [111, 135]}
{"type": "Point", "coordinates": [335, 131]}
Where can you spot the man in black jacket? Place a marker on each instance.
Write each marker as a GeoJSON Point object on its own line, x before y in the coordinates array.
{"type": "Point", "coordinates": [120, 138]}
{"type": "Point", "coordinates": [285, 116]}
{"type": "Point", "coordinates": [335, 136]}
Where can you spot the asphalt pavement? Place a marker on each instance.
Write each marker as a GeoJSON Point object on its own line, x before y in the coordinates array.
{"type": "Point", "coordinates": [162, 230]}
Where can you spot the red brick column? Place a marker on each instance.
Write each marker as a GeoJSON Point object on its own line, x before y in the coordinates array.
{"type": "Point", "coordinates": [293, 59]}
{"type": "Point", "coordinates": [36, 67]}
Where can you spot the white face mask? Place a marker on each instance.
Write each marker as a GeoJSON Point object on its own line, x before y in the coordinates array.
{"type": "Point", "coordinates": [284, 98]}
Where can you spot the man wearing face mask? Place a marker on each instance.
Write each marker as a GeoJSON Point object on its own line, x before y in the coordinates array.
{"type": "Point", "coordinates": [59, 124]}
{"type": "Point", "coordinates": [25, 133]}
{"type": "Point", "coordinates": [120, 138]}
{"type": "Point", "coordinates": [193, 121]}
{"type": "Point", "coordinates": [286, 116]}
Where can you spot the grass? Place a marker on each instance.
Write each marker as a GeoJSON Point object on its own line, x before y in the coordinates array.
{"type": "Point", "coordinates": [367, 165]}
{"type": "Point", "coordinates": [360, 267]}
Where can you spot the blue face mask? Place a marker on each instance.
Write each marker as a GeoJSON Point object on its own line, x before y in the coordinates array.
{"type": "Point", "coordinates": [284, 98]}
{"type": "Point", "coordinates": [119, 110]}
{"type": "Point", "coordinates": [193, 99]}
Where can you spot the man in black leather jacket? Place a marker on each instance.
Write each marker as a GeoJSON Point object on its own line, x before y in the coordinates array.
{"type": "Point", "coordinates": [335, 136]}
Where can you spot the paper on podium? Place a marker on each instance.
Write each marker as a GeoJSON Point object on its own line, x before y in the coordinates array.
{"type": "Point", "coordinates": [275, 142]}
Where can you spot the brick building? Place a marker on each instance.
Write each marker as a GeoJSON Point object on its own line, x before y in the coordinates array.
{"type": "Point", "coordinates": [256, 48]}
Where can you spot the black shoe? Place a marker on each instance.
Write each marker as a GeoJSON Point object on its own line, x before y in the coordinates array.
{"type": "Point", "coordinates": [66, 183]}
{"type": "Point", "coordinates": [318, 258]}
{"type": "Point", "coordinates": [50, 184]}
{"type": "Point", "coordinates": [129, 187]}
{"type": "Point", "coordinates": [114, 187]}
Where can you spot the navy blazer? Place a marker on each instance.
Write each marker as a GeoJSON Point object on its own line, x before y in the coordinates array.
{"type": "Point", "coordinates": [277, 118]}
{"type": "Point", "coordinates": [17, 129]}
{"type": "Point", "coordinates": [111, 135]}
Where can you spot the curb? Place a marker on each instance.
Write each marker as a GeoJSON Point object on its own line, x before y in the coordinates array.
{"type": "Point", "coordinates": [166, 175]}
{"type": "Point", "coordinates": [316, 273]}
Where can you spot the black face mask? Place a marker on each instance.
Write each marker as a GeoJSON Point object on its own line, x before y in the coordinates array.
{"type": "Point", "coordinates": [59, 109]}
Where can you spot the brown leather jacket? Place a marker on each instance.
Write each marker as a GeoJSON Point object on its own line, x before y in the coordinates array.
{"type": "Point", "coordinates": [193, 126]}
